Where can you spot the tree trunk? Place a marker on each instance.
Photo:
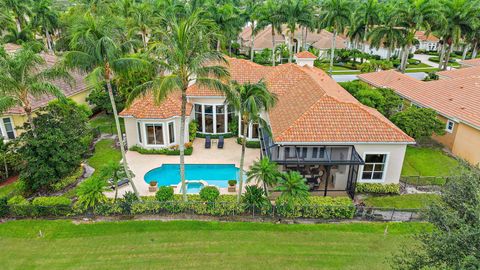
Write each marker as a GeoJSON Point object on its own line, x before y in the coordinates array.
{"type": "Point", "coordinates": [5, 165]}
{"type": "Point", "coordinates": [332, 52]}
{"type": "Point", "coordinates": [115, 177]}
{"type": "Point", "coordinates": [365, 39]}
{"type": "Point", "coordinates": [305, 41]}
{"type": "Point", "coordinates": [242, 159]}
{"type": "Point", "coordinates": [403, 60]}
{"type": "Point", "coordinates": [273, 46]}
{"type": "Point", "coordinates": [466, 48]}
{"type": "Point", "coordinates": [389, 53]}
{"type": "Point", "coordinates": [474, 52]}
{"type": "Point", "coordinates": [119, 131]}
{"type": "Point", "coordinates": [252, 42]}
{"type": "Point", "coordinates": [49, 41]}
{"type": "Point", "coordinates": [218, 45]}
{"type": "Point", "coordinates": [447, 57]}
{"type": "Point", "coordinates": [442, 56]}
{"type": "Point", "coordinates": [18, 22]}
{"type": "Point", "coordinates": [182, 143]}
{"type": "Point", "coordinates": [290, 49]}
{"type": "Point", "coordinates": [230, 48]}
{"type": "Point", "coordinates": [144, 39]}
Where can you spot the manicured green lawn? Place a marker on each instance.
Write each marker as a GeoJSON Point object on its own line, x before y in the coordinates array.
{"type": "Point", "coordinates": [200, 245]}
{"type": "Point", "coordinates": [421, 65]}
{"type": "Point", "coordinates": [428, 162]}
{"type": "Point", "coordinates": [106, 123]}
{"type": "Point", "coordinates": [408, 201]}
{"type": "Point", "coordinates": [105, 152]}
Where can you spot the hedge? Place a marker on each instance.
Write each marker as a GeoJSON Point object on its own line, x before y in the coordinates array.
{"type": "Point", "coordinates": [378, 188]}
{"type": "Point", "coordinates": [215, 136]}
{"type": "Point", "coordinates": [69, 180]}
{"type": "Point", "coordinates": [56, 206]}
{"type": "Point", "coordinates": [250, 144]}
{"type": "Point", "coordinates": [163, 151]}
{"type": "Point", "coordinates": [317, 207]}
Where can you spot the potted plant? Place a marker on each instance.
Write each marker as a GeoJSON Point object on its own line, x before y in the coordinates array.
{"type": "Point", "coordinates": [153, 186]}
{"type": "Point", "coordinates": [232, 185]}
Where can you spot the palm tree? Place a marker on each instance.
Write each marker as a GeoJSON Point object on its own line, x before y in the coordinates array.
{"type": "Point", "coordinates": [264, 171]}
{"type": "Point", "coordinates": [335, 14]}
{"type": "Point", "coordinates": [296, 13]}
{"type": "Point", "coordinates": [24, 75]}
{"type": "Point", "coordinates": [115, 172]}
{"type": "Point", "coordinates": [226, 18]}
{"type": "Point", "coordinates": [91, 193]}
{"type": "Point", "coordinates": [96, 51]}
{"type": "Point", "coordinates": [20, 9]}
{"type": "Point", "coordinates": [388, 33]}
{"type": "Point", "coordinates": [140, 21]}
{"type": "Point", "coordinates": [250, 12]}
{"type": "Point", "coordinates": [270, 14]}
{"type": "Point", "coordinates": [187, 57]}
{"type": "Point", "coordinates": [45, 19]}
{"type": "Point", "coordinates": [293, 186]}
{"type": "Point", "coordinates": [461, 16]}
{"type": "Point", "coordinates": [368, 12]}
{"type": "Point", "coordinates": [249, 100]}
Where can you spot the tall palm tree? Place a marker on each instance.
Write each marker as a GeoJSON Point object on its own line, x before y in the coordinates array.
{"type": "Point", "coordinates": [296, 13]}
{"type": "Point", "coordinates": [250, 14]}
{"type": "Point", "coordinates": [24, 75]}
{"type": "Point", "coordinates": [264, 171]}
{"type": "Point", "coordinates": [225, 16]}
{"type": "Point", "coordinates": [187, 57]}
{"type": "Point", "coordinates": [461, 16]}
{"type": "Point", "coordinates": [293, 186]}
{"type": "Point", "coordinates": [335, 14]}
{"type": "Point", "coordinates": [45, 19]}
{"type": "Point", "coordinates": [387, 33]}
{"type": "Point", "coordinates": [415, 15]}
{"type": "Point", "coordinates": [249, 100]}
{"type": "Point", "coordinates": [270, 14]}
{"type": "Point", "coordinates": [140, 21]}
{"type": "Point", "coordinates": [98, 52]}
{"type": "Point", "coordinates": [20, 9]}
{"type": "Point", "coordinates": [368, 12]}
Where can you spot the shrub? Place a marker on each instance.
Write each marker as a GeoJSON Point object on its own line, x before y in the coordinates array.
{"type": "Point", "coordinates": [378, 188]}
{"type": "Point", "coordinates": [164, 194]}
{"type": "Point", "coordinates": [192, 130]}
{"type": "Point", "coordinates": [56, 206]}
{"type": "Point", "coordinates": [19, 206]}
{"type": "Point", "coordinates": [108, 209]}
{"type": "Point", "coordinates": [215, 136]}
{"type": "Point", "coordinates": [69, 180]}
{"type": "Point", "coordinates": [316, 207]}
{"type": "Point", "coordinates": [413, 61]}
{"type": "Point", "coordinates": [209, 194]}
{"type": "Point", "coordinates": [249, 144]}
{"type": "Point", "coordinates": [3, 206]}
{"type": "Point", "coordinates": [128, 199]}
{"type": "Point", "coordinates": [419, 122]}
{"type": "Point", "coordinates": [254, 198]}
{"type": "Point", "coordinates": [232, 182]}
{"type": "Point", "coordinates": [173, 151]}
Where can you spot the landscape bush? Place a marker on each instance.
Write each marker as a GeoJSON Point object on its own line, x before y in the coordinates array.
{"type": "Point", "coordinates": [192, 130]}
{"type": "Point", "coordinates": [249, 144]}
{"type": "Point", "coordinates": [3, 206]}
{"type": "Point", "coordinates": [215, 136]}
{"type": "Point", "coordinates": [316, 207]}
{"type": "Point", "coordinates": [19, 206]}
{"type": "Point", "coordinates": [69, 180]}
{"type": "Point", "coordinates": [378, 188]}
{"type": "Point", "coordinates": [209, 194]}
{"type": "Point", "coordinates": [55, 205]}
{"type": "Point", "coordinates": [174, 151]}
{"type": "Point", "coordinates": [164, 194]}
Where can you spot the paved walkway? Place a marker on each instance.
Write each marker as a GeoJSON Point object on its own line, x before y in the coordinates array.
{"type": "Point", "coordinates": [230, 154]}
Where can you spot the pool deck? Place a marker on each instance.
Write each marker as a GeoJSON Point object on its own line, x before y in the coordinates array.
{"type": "Point", "coordinates": [230, 154]}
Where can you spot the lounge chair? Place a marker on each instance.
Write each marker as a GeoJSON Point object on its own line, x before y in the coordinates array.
{"type": "Point", "coordinates": [208, 142]}
{"type": "Point", "coordinates": [220, 142]}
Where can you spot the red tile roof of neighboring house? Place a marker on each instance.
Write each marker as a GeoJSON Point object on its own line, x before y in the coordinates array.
{"type": "Point", "coordinates": [471, 62]}
{"type": "Point", "coordinates": [460, 73]}
{"type": "Point", "coordinates": [146, 108]}
{"type": "Point", "coordinates": [420, 35]}
{"type": "Point", "coordinates": [306, 55]}
{"type": "Point", "coordinates": [311, 107]}
{"type": "Point", "coordinates": [456, 98]}
{"type": "Point", "coordinates": [78, 85]}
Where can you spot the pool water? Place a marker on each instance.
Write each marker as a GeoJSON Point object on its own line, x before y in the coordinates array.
{"type": "Point", "coordinates": [214, 174]}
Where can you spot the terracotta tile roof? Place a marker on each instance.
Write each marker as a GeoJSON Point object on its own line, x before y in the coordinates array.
{"type": "Point", "coordinates": [420, 35]}
{"type": "Point", "coordinates": [471, 62]}
{"type": "Point", "coordinates": [146, 108]}
{"type": "Point", "coordinates": [460, 73]}
{"type": "Point", "coordinates": [456, 98]}
{"type": "Point", "coordinates": [306, 54]}
{"type": "Point", "coordinates": [36, 103]}
{"type": "Point", "coordinates": [263, 39]}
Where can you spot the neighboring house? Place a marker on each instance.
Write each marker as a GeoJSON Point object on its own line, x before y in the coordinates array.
{"type": "Point", "coordinates": [11, 121]}
{"type": "Point", "coordinates": [470, 63]}
{"type": "Point", "coordinates": [381, 51]}
{"type": "Point", "coordinates": [426, 42]}
{"type": "Point", "coordinates": [317, 127]}
{"type": "Point", "coordinates": [455, 97]}
{"type": "Point", "coordinates": [263, 40]}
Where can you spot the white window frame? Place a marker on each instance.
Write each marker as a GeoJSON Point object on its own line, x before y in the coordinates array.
{"type": "Point", "coordinates": [3, 129]}
{"type": "Point", "coordinates": [139, 127]}
{"type": "Point", "coordinates": [174, 133]}
{"type": "Point", "coordinates": [385, 168]}
{"type": "Point", "coordinates": [214, 115]}
{"type": "Point", "coordinates": [450, 130]}
{"type": "Point", "coordinates": [249, 132]}
{"type": "Point", "coordinates": [145, 136]}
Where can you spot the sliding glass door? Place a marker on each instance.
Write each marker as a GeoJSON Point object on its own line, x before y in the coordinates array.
{"type": "Point", "coordinates": [212, 119]}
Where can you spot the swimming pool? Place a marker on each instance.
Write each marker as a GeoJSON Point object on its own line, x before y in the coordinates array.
{"type": "Point", "coordinates": [213, 174]}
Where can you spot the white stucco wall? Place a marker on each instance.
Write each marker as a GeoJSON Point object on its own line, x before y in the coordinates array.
{"type": "Point", "coordinates": [395, 155]}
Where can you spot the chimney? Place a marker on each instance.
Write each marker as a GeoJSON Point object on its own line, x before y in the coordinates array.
{"type": "Point", "coordinates": [305, 58]}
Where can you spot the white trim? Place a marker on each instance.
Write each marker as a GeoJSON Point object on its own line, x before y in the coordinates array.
{"type": "Point", "coordinates": [4, 129]}
{"type": "Point", "coordinates": [342, 143]}
{"type": "Point", "coordinates": [214, 116]}
{"type": "Point", "coordinates": [448, 124]}
{"type": "Point", "coordinates": [385, 168]}
{"type": "Point", "coordinates": [174, 133]}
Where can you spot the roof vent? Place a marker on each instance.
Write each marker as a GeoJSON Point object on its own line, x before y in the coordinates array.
{"type": "Point", "coordinates": [451, 99]}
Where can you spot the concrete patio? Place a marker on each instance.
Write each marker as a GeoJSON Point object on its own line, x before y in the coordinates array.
{"type": "Point", "coordinates": [230, 154]}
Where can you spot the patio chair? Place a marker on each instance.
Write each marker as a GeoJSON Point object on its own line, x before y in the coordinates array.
{"type": "Point", "coordinates": [208, 142]}
{"type": "Point", "coordinates": [220, 142]}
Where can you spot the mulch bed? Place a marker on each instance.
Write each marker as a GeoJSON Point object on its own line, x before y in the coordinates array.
{"type": "Point", "coordinates": [9, 181]}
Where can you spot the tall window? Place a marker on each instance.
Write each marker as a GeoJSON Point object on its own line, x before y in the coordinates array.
{"type": "Point", "coordinates": [198, 117]}
{"type": "Point", "coordinates": [208, 118]}
{"type": "Point", "coordinates": [10, 133]}
{"type": "Point", "coordinates": [450, 126]}
{"type": "Point", "coordinates": [171, 132]}
{"type": "Point", "coordinates": [220, 117]}
{"type": "Point", "coordinates": [374, 167]}
{"type": "Point", "coordinates": [154, 134]}
{"type": "Point", "coordinates": [213, 118]}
